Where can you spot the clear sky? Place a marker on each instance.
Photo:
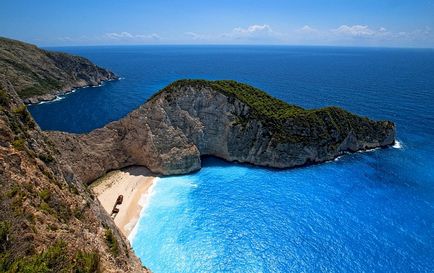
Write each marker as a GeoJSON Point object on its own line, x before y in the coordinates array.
{"type": "Point", "coordinates": [395, 23]}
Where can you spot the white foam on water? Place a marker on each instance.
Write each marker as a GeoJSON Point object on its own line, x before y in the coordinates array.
{"type": "Point", "coordinates": [58, 98]}
{"type": "Point", "coordinates": [369, 150]}
{"type": "Point", "coordinates": [397, 145]}
{"type": "Point", "coordinates": [144, 203]}
{"type": "Point", "coordinates": [61, 97]}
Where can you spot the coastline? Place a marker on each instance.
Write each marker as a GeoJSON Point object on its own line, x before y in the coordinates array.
{"type": "Point", "coordinates": [60, 94]}
{"type": "Point", "coordinates": [134, 184]}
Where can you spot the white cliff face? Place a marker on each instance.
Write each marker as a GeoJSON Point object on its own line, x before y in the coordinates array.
{"type": "Point", "coordinates": [170, 133]}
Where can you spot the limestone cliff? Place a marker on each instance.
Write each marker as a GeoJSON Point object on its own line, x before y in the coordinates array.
{"type": "Point", "coordinates": [40, 75]}
{"type": "Point", "coordinates": [49, 221]}
{"type": "Point", "coordinates": [233, 121]}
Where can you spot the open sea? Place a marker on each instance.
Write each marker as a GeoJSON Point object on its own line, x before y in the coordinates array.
{"type": "Point", "coordinates": [365, 212]}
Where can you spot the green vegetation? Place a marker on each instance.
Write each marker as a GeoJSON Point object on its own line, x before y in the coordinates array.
{"type": "Point", "coordinates": [264, 104]}
{"type": "Point", "coordinates": [78, 213]}
{"type": "Point", "coordinates": [111, 241]}
{"type": "Point", "coordinates": [12, 192]}
{"type": "Point", "coordinates": [41, 88]}
{"type": "Point", "coordinates": [4, 100]}
{"type": "Point", "coordinates": [56, 209]}
{"type": "Point", "coordinates": [36, 208]}
{"type": "Point", "coordinates": [35, 72]}
{"type": "Point", "coordinates": [45, 207]}
{"type": "Point", "coordinates": [47, 158]}
{"type": "Point", "coordinates": [45, 195]}
{"type": "Point", "coordinates": [34, 90]}
{"type": "Point", "coordinates": [19, 144]}
{"type": "Point", "coordinates": [4, 235]}
{"type": "Point", "coordinates": [287, 123]}
{"type": "Point", "coordinates": [86, 262]}
{"type": "Point", "coordinates": [55, 259]}
{"type": "Point", "coordinates": [25, 117]}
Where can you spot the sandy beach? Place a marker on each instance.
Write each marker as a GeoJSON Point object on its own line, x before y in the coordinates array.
{"type": "Point", "coordinates": [132, 182]}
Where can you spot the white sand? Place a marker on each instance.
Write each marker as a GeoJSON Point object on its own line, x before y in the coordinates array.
{"type": "Point", "coordinates": [132, 183]}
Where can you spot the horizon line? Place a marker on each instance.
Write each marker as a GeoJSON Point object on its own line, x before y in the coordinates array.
{"type": "Point", "coordinates": [244, 45]}
{"type": "Point", "coordinates": [41, 45]}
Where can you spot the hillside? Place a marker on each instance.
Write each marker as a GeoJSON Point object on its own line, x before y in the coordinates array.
{"type": "Point", "coordinates": [49, 221]}
{"type": "Point", "coordinates": [39, 75]}
{"type": "Point", "coordinates": [234, 121]}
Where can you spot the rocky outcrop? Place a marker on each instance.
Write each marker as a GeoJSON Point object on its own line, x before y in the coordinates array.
{"type": "Point", "coordinates": [233, 121]}
{"type": "Point", "coordinates": [49, 221]}
{"type": "Point", "coordinates": [40, 75]}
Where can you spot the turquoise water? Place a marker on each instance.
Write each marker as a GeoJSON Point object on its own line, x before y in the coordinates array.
{"type": "Point", "coordinates": [366, 212]}
{"type": "Point", "coordinates": [335, 217]}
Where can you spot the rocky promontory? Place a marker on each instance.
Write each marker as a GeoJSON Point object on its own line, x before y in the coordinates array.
{"type": "Point", "coordinates": [230, 120]}
{"type": "Point", "coordinates": [40, 75]}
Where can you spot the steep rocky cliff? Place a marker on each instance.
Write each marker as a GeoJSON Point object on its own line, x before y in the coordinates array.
{"type": "Point", "coordinates": [39, 75]}
{"type": "Point", "coordinates": [49, 221]}
{"type": "Point", "coordinates": [236, 122]}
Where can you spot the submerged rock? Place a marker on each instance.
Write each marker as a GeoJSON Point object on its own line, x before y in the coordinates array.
{"type": "Point", "coordinates": [230, 120]}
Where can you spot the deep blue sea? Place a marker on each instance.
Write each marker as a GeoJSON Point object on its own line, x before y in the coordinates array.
{"type": "Point", "coordinates": [366, 212]}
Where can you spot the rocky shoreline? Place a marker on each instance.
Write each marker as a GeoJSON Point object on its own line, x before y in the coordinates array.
{"type": "Point", "coordinates": [66, 91]}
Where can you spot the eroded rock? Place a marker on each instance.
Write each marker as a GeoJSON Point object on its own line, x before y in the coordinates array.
{"type": "Point", "coordinates": [236, 122]}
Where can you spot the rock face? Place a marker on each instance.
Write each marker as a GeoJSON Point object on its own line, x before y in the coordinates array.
{"type": "Point", "coordinates": [233, 121]}
{"type": "Point", "coordinates": [40, 75]}
{"type": "Point", "coordinates": [49, 221]}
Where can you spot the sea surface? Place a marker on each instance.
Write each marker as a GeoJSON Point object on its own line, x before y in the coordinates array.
{"type": "Point", "coordinates": [365, 212]}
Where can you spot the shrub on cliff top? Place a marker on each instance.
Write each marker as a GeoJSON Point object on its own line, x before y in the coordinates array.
{"type": "Point", "coordinates": [255, 98]}
{"type": "Point", "coordinates": [54, 259]}
{"type": "Point", "coordinates": [4, 100]}
{"type": "Point", "coordinates": [19, 144]}
{"type": "Point", "coordinates": [87, 262]}
{"type": "Point", "coordinates": [45, 194]}
{"type": "Point", "coordinates": [111, 241]}
{"type": "Point", "coordinates": [24, 116]}
{"type": "Point", "coordinates": [4, 235]}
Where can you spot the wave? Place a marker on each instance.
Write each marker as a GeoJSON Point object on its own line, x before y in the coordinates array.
{"type": "Point", "coordinates": [58, 98]}
{"type": "Point", "coordinates": [99, 85]}
{"type": "Point", "coordinates": [369, 150]}
{"type": "Point", "coordinates": [63, 95]}
{"type": "Point", "coordinates": [398, 145]}
{"type": "Point", "coordinates": [144, 204]}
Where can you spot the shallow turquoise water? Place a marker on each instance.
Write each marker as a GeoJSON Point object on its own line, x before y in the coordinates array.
{"type": "Point", "coordinates": [366, 212]}
{"type": "Point", "coordinates": [345, 216]}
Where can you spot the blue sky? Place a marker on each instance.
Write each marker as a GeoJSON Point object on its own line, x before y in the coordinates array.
{"type": "Point", "coordinates": [398, 23]}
